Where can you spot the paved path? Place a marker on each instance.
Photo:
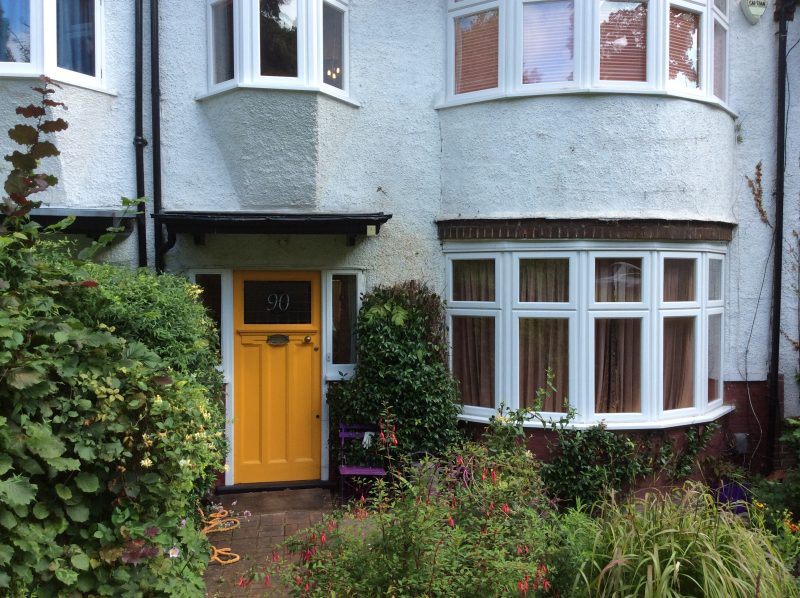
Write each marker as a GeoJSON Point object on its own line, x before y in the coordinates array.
{"type": "Point", "coordinates": [273, 516]}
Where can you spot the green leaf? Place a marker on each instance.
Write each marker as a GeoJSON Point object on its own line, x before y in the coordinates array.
{"type": "Point", "coordinates": [42, 441]}
{"type": "Point", "coordinates": [87, 453]}
{"type": "Point", "coordinates": [6, 552]}
{"type": "Point", "coordinates": [64, 493]}
{"type": "Point", "coordinates": [78, 513]}
{"type": "Point", "coordinates": [44, 149]}
{"type": "Point", "coordinates": [67, 576]}
{"type": "Point", "coordinates": [17, 491]}
{"type": "Point", "coordinates": [80, 561]}
{"type": "Point", "coordinates": [21, 378]}
{"type": "Point", "coordinates": [87, 482]}
{"type": "Point", "coordinates": [40, 511]}
{"type": "Point", "coordinates": [24, 134]}
{"type": "Point", "coordinates": [5, 463]}
{"type": "Point", "coordinates": [61, 336]}
{"type": "Point", "coordinates": [7, 519]}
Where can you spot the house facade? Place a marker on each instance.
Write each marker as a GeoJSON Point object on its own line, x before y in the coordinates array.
{"type": "Point", "coordinates": [579, 178]}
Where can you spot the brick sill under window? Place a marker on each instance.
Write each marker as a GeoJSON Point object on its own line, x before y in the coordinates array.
{"type": "Point", "coordinates": [667, 422]}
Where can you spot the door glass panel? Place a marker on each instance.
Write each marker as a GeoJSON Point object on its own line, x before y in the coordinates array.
{"type": "Point", "coordinates": [277, 302]}
{"type": "Point", "coordinates": [345, 312]}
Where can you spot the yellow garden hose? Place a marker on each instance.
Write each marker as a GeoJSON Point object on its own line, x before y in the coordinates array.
{"type": "Point", "coordinates": [220, 522]}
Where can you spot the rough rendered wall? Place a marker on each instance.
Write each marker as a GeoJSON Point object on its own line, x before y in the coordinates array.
{"type": "Point", "coordinates": [578, 156]}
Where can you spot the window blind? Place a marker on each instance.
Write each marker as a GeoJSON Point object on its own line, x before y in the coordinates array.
{"type": "Point", "coordinates": [623, 41]}
{"type": "Point", "coordinates": [548, 41]}
{"type": "Point", "coordinates": [476, 51]}
{"type": "Point", "coordinates": [684, 48]}
{"type": "Point", "coordinates": [720, 60]}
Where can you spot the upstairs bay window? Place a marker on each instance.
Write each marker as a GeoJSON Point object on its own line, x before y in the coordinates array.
{"type": "Point", "coordinates": [58, 38]}
{"type": "Point", "coordinates": [283, 44]}
{"type": "Point", "coordinates": [501, 48]}
{"type": "Point", "coordinates": [633, 335]}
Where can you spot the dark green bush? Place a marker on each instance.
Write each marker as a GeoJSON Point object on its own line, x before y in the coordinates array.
{"type": "Point", "coordinates": [402, 366]}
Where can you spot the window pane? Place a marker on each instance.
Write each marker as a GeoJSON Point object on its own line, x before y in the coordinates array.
{"type": "Point", "coordinates": [476, 51]}
{"type": "Point", "coordinates": [678, 280]}
{"type": "Point", "coordinates": [222, 24]}
{"type": "Point", "coordinates": [543, 343]}
{"type": "Point", "coordinates": [684, 48]}
{"type": "Point", "coordinates": [547, 41]}
{"type": "Point", "coordinates": [345, 312]}
{"type": "Point", "coordinates": [15, 31]}
{"type": "Point", "coordinates": [544, 280]}
{"type": "Point", "coordinates": [714, 356]}
{"type": "Point", "coordinates": [623, 41]}
{"type": "Point", "coordinates": [277, 302]}
{"type": "Point", "coordinates": [76, 36]}
{"type": "Point", "coordinates": [678, 363]}
{"type": "Point", "coordinates": [722, 5]}
{"type": "Point", "coordinates": [720, 60]}
{"type": "Point", "coordinates": [278, 22]}
{"type": "Point", "coordinates": [473, 359]}
{"type": "Point", "coordinates": [211, 297]}
{"type": "Point", "coordinates": [714, 280]}
{"type": "Point", "coordinates": [473, 280]}
{"type": "Point", "coordinates": [618, 279]}
{"type": "Point", "coordinates": [617, 365]}
{"type": "Point", "coordinates": [333, 46]}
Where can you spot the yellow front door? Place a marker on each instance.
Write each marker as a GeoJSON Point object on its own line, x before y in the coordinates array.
{"type": "Point", "coordinates": [277, 383]}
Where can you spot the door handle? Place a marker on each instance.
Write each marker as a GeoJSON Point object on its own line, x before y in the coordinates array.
{"type": "Point", "coordinates": [307, 340]}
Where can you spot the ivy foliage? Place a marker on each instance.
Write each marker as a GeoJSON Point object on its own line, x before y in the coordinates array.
{"type": "Point", "coordinates": [402, 366]}
{"type": "Point", "coordinates": [104, 443]}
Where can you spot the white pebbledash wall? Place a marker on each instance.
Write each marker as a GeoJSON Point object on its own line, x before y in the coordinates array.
{"type": "Point", "coordinates": [602, 156]}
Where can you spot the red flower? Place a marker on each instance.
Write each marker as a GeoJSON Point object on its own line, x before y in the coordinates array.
{"type": "Point", "coordinates": [494, 477]}
{"type": "Point", "coordinates": [323, 538]}
{"type": "Point", "coordinates": [275, 556]}
{"type": "Point", "coordinates": [267, 580]}
{"type": "Point", "coordinates": [450, 522]}
{"type": "Point", "coordinates": [546, 585]}
{"type": "Point", "coordinates": [243, 583]}
{"type": "Point", "coordinates": [483, 475]}
{"type": "Point", "coordinates": [88, 283]}
{"type": "Point", "coordinates": [459, 460]}
{"type": "Point", "coordinates": [506, 510]}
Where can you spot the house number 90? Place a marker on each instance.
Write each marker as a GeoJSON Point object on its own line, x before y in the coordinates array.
{"type": "Point", "coordinates": [278, 302]}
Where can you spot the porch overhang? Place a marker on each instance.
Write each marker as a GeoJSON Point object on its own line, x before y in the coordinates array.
{"type": "Point", "coordinates": [199, 224]}
{"type": "Point", "coordinates": [88, 221]}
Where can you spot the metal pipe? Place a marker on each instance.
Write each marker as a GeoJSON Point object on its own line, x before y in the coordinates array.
{"type": "Point", "coordinates": [155, 94]}
{"type": "Point", "coordinates": [139, 141]}
{"type": "Point", "coordinates": [777, 265]}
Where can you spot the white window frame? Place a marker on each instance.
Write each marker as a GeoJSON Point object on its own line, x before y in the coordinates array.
{"type": "Point", "coordinates": [44, 48]}
{"type": "Point", "coordinates": [582, 311]}
{"type": "Point", "coordinates": [586, 76]}
{"type": "Point", "coordinates": [247, 48]}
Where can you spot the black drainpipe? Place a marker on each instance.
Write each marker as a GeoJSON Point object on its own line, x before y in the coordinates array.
{"type": "Point", "coordinates": [155, 91]}
{"type": "Point", "coordinates": [139, 141]}
{"type": "Point", "coordinates": [785, 11]}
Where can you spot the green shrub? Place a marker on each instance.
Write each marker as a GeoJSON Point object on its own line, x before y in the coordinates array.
{"type": "Point", "coordinates": [682, 544]}
{"type": "Point", "coordinates": [473, 524]}
{"type": "Point", "coordinates": [103, 447]}
{"type": "Point", "coordinates": [589, 463]}
{"type": "Point", "coordinates": [158, 311]}
{"type": "Point", "coordinates": [402, 366]}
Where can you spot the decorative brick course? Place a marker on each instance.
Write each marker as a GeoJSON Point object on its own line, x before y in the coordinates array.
{"type": "Point", "coordinates": [584, 228]}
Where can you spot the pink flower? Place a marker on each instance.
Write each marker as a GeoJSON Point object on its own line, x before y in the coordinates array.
{"type": "Point", "coordinates": [460, 460]}
{"type": "Point", "coordinates": [174, 552]}
{"type": "Point", "coordinates": [247, 513]}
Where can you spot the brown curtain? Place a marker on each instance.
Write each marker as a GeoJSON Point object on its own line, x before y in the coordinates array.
{"type": "Point", "coordinates": [543, 343]}
{"type": "Point", "coordinates": [678, 363]}
{"type": "Point", "coordinates": [473, 280]}
{"type": "Point", "coordinates": [617, 365]}
{"type": "Point", "coordinates": [544, 280]}
{"type": "Point", "coordinates": [473, 359]}
{"type": "Point", "coordinates": [618, 279]}
{"type": "Point", "coordinates": [477, 51]}
{"type": "Point", "coordinates": [679, 280]}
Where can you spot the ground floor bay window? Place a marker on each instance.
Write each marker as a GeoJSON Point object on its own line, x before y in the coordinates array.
{"type": "Point", "coordinates": [632, 332]}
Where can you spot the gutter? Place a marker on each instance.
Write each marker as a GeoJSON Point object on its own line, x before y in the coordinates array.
{"type": "Point", "coordinates": [784, 12]}
{"type": "Point", "coordinates": [155, 96]}
{"type": "Point", "coordinates": [139, 141]}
